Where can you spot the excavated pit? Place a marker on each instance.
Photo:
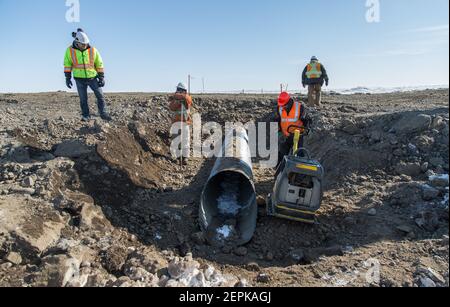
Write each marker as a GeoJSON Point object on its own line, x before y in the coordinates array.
{"type": "Point", "coordinates": [345, 164]}
{"type": "Point", "coordinates": [369, 165]}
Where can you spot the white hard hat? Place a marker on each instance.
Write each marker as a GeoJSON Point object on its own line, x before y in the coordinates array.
{"type": "Point", "coordinates": [181, 86]}
{"type": "Point", "coordinates": [81, 38]}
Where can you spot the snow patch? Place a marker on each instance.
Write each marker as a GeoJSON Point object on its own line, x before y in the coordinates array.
{"type": "Point", "coordinates": [227, 202]}
{"type": "Point", "coordinates": [387, 90]}
{"type": "Point", "coordinates": [439, 177]}
{"type": "Point", "coordinates": [225, 232]}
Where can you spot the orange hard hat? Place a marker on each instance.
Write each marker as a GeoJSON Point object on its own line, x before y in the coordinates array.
{"type": "Point", "coordinates": [284, 99]}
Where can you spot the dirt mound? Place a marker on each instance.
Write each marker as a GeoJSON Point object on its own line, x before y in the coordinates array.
{"type": "Point", "coordinates": [134, 153]}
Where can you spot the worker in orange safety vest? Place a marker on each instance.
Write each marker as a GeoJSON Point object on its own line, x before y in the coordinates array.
{"type": "Point", "coordinates": [180, 104]}
{"type": "Point", "coordinates": [290, 115]}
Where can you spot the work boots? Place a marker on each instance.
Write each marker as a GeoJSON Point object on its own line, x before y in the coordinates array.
{"type": "Point", "coordinates": [105, 117]}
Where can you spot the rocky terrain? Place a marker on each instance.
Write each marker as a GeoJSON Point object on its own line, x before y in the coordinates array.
{"type": "Point", "coordinates": [104, 204]}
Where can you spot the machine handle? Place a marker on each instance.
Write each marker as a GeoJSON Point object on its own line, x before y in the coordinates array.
{"type": "Point", "coordinates": [299, 130]}
{"type": "Point", "coordinates": [304, 150]}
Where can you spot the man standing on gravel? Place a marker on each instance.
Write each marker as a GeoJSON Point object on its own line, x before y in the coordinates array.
{"type": "Point", "coordinates": [314, 75]}
{"type": "Point", "coordinates": [180, 105]}
{"type": "Point", "coordinates": [86, 64]}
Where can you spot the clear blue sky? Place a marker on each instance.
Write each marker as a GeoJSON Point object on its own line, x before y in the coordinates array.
{"type": "Point", "coordinates": [234, 44]}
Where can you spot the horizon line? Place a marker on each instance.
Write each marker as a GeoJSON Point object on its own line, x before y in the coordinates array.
{"type": "Point", "coordinates": [259, 92]}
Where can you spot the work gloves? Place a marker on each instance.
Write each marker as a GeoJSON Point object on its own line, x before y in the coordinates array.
{"type": "Point", "coordinates": [69, 82]}
{"type": "Point", "coordinates": [326, 82]}
{"type": "Point", "coordinates": [68, 79]}
{"type": "Point", "coordinates": [101, 80]}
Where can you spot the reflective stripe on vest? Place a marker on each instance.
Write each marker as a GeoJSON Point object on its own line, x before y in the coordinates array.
{"type": "Point", "coordinates": [183, 113]}
{"type": "Point", "coordinates": [83, 63]}
{"type": "Point", "coordinates": [314, 71]}
{"type": "Point", "coordinates": [85, 66]}
{"type": "Point", "coordinates": [285, 117]}
{"type": "Point", "coordinates": [289, 120]}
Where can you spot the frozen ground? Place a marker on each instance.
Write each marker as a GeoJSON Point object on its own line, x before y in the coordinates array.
{"type": "Point", "coordinates": [103, 204]}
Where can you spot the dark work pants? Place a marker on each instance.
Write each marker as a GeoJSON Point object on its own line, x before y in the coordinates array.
{"type": "Point", "coordinates": [82, 87]}
{"type": "Point", "coordinates": [285, 145]}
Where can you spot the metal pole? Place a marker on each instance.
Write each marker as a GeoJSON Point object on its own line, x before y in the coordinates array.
{"type": "Point", "coordinates": [189, 84]}
{"type": "Point", "coordinates": [182, 139]}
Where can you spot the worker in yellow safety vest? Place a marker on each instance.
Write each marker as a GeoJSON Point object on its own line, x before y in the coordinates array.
{"type": "Point", "coordinates": [314, 75]}
{"type": "Point", "coordinates": [86, 65]}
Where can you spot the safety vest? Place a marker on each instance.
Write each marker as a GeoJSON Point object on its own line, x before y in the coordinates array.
{"type": "Point", "coordinates": [291, 119]}
{"type": "Point", "coordinates": [314, 70]}
{"type": "Point", "coordinates": [180, 106]}
{"type": "Point", "coordinates": [83, 64]}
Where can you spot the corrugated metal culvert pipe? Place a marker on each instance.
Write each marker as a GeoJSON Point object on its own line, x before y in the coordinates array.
{"type": "Point", "coordinates": [228, 208]}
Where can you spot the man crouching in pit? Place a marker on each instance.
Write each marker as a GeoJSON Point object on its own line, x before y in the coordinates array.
{"type": "Point", "coordinates": [180, 105]}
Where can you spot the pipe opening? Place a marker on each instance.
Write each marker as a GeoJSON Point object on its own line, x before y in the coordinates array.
{"type": "Point", "coordinates": [229, 208]}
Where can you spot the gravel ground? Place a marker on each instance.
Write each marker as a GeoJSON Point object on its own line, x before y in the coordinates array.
{"type": "Point", "coordinates": [104, 204]}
